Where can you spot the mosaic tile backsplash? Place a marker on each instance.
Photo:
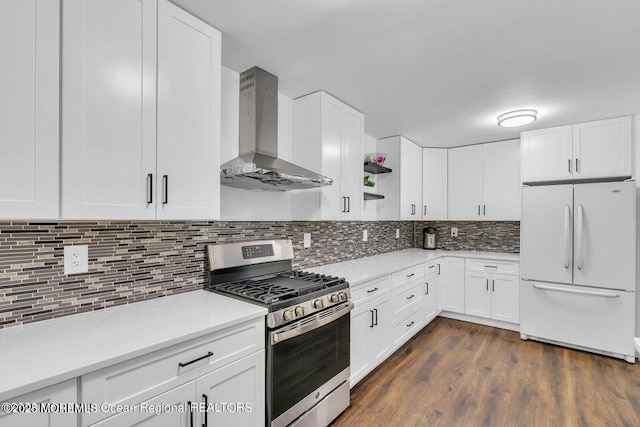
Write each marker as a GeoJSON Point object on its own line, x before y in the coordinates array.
{"type": "Point", "coordinates": [135, 261]}
{"type": "Point", "coordinates": [490, 236]}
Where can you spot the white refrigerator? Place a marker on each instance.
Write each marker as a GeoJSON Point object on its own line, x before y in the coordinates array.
{"type": "Point", "coordinates": [578, 266]}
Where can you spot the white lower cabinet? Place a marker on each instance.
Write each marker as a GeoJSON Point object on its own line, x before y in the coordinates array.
{"type": "Point", "coordinates": [452, 284]}
{"type": "Point", "coordinates": [66, 392]}
{"type": "Point", "coordinates": [492, 295]}
{"type": "Point", "coordinates": [429, 299]}
{"type": "Point", "coordinates": [370, 344]}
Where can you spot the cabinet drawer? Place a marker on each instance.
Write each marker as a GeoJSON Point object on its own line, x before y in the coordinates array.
{"type": "Point", "coordinates": [489, 266]}
{"type": "Point", "coordinates": [407, 326]}
{"type": "Point", "coordinates": [407, 297]}
{"type": "Point", "coordinates": [144, 377]}
{"type": "Point", "coordinates": [367, 291]}
{"type": "Point", "coordinates": [430, 268]}
{"type": "Point", "coordinates": [405, 276]}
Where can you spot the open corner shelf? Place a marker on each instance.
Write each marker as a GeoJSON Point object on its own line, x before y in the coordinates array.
{"type": "Point", "coordinates": [375, 168]}
{"type": "Point", "coordinates": [372, 196]}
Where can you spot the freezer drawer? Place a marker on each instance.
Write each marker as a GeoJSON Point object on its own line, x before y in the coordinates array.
{"type": "Point", "coordinates": [598, 319]}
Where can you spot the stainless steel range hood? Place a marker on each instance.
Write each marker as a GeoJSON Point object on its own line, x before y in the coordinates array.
{"type": "Point", "coordinates": [258, 166]}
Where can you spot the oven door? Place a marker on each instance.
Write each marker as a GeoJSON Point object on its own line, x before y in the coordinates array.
{"type": "Point", "coordinates": [302, 358]}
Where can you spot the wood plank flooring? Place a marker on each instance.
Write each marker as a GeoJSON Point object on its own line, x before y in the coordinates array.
{"type": "Point", "coordinates": [456, 373]}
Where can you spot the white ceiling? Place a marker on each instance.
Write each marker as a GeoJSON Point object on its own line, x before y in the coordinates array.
{"type": "Point", "coordinates": [439, 71]}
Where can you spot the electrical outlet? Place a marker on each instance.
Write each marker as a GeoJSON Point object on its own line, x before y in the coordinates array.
{"type": "Point", "coordinates": [364, 235]}
{"type": "Point", "coordinates": [454, 231]}
{"type": "Point", "coordinates": [76, 259]}
{"type": "Point", "coordinates": [307, 240]}
{"type": "Point", "coordinates": [397, 233]}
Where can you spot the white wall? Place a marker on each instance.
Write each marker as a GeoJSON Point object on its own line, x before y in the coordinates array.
{"type": "Point", "coordinates": [248, 205]}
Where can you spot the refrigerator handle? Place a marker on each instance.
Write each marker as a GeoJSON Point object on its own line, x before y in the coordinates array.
{"type": "Point", "coordinates": [579, 242]}
{"type": "Point", "coordinates": [567, 236]}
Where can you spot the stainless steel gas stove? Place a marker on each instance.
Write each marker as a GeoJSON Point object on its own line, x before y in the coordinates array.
{"type": "Point", "coordinates": [308, 328]}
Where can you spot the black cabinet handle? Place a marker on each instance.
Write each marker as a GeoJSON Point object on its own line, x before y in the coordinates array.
{"type": "Point", "coordinates": [372, 290]}
{"type": "Point", "coordinates": [487, 284]}
{"type": "Point", "coordinates": [410, 296]}
{"type": "Point", "coordinates": [410, 324]}
{"type": "Point", "coordinates": [478, 210]}
{"type": "Point", "coordinates": [371, 325]}
{"type": "Point", "coordinates": [348, 204]}
{"type": "Point", "coordinates": [206, 404]}
{"type": "Point", "coordinates": [182, 365]}
{"type": "Point", "coordinates": [427, 289]}
{"type": "Point", "coordinates": [344, 204]}
{"type": "Point", "coordinates": [438, 269]}
{"type": "Point", "coordinates": [411, 275]}
{"type": "Point", "coordinates": [165, 189]}
{"type": "Point", "coordinates": [577, 166]}
{"type": "Point", "coordinates": [569, 163]}
{"type": "Point", "coordinates": [425, 210]}
{"type": "Point", "coordinates": [484, 210]}
{"type": "Point", "coordinates": [190, 414]}
{"type": "Point", "coordinates": [375, 310]}
{"type": "Point", "coordinates": [493, 285]}
{"type": "Point", "coordinates": [149, 188]}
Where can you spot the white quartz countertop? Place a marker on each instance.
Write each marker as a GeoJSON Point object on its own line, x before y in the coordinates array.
{"type": "Point", "coordinates": [40, 354]}
{"type": "Point", "coordinates": [360, 270]}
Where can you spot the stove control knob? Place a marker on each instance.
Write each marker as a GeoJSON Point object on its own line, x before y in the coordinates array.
{"type": "Point", "coordinates": [299, 311]}
{"type": "Point", "coordinates": [343, 296]}
{"type": "Point", "coordinates": [288, 315]}
{"type": "Point", "coordinates": [318, 303]}
{"type": "Point", "coordinates": [335, 298]}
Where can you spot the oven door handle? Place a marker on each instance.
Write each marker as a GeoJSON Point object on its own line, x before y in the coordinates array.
{"type": "Point", "coordinates": [283, 335]}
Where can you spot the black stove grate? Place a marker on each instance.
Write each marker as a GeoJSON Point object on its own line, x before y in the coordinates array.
{"type": "Point", "coordinates": [269, 290]}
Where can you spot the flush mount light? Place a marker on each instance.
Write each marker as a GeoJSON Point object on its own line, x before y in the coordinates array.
{"type": "Point", "coordinates": [517, 118]}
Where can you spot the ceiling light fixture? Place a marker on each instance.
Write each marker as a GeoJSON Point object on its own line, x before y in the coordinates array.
{"type": "Point", "coordinates": [517, 118]}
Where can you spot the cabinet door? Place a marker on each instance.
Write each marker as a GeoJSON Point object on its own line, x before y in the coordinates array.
{"type": "Point", "coordinates": [407, 207]}
{"type": "Point", "coordinates": [109, 102]}
{"type": "Point", "coordinates": [430, 299]}
{"type": "Point", "coordinates": [333, 204]}
{"type": "Point", "coordinates": [179, 397]}
{"type": "Point", "coordinates": [379, 343]}
{"type": "Point", "coordinates": [465, 183]}
{"type": "Point", "coordinates": [477, 291]}
{"type": "Point", "coordinates": [352, 130]}
{"type": "Point", "coordinates": [65, 392]}
{"type": "Point", "coordinates": [434, 184]}
{"type": "Point", "coordinates": [416, 180]}
{"type": "Point", "coordinates": [29, 113]}
{"type": "Point", "coordinates": [188, 116]}
{"type": "Point", "coordinates": [501, 181]}
{"type": "Point", "coordinates": [361, 323]}
{"type": "Point", "coordinates": [242, 381]}
{"type": "Point", "coordinates": [602, 149]}
{"type": "Point", "coordinates": [452, 276]}
{"type": "Point", "coordinates": [441, 296]}
{"type": "Point", "coordinates": [505, 298]}
{"type": "Point", "coordinates": [547, 154]}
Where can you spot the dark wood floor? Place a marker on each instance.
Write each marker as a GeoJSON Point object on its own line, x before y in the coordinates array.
{"type": "Point", "coordinates": [460, 374]}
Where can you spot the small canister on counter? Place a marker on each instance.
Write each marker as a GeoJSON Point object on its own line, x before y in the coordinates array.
{"type": "Point", "coordinates": [429, 240]}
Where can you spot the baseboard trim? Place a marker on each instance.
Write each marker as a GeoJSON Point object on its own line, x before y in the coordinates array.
{"type": "Point", "coordinates": [481, 321]}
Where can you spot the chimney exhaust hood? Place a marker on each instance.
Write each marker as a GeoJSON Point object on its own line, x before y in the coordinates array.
{"type": "Point", "coordinates": [258, 166]}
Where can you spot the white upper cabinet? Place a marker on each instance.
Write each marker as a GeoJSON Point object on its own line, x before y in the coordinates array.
{"type": "Point", "coordinates": [113, 53]}
{"type": "Point", "coordinates": [327, 139]}
{"type": "Point", "coordinates": [188, 148]}
{"type": "Point", "coordinates": [584, 151]}
{"type": "Point", "coordinates": [434, 184]}
{"type": "Point", "coordinates": [109, 102]}
{"type": "Point", "coordinates": [501, 180]}
{"type": "Point", "coordinates": [546, 154]}
{"type": "Point", "coordinates": [29, 112]}
{"type": "Point", "coordinates": [465, 183]}
{"type": "Point", "coordinates": [603, 149]}
{"type": "Point", "coordinates": [484, 182]}
{"type": "Point", "coordinates": [402, 188]}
